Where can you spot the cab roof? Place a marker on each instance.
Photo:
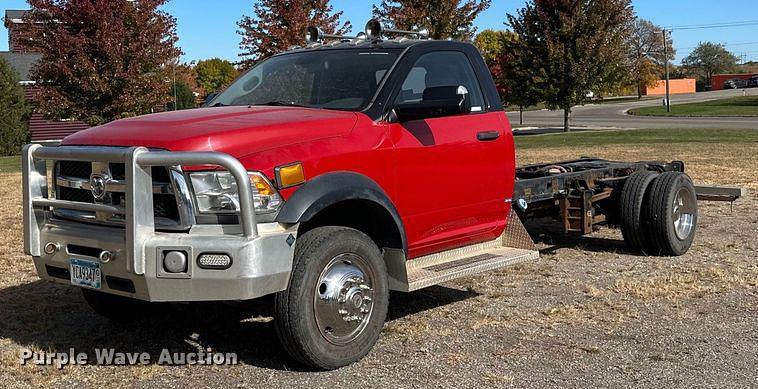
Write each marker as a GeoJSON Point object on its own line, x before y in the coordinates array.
{"type": "Point", "coordinates": [377, 44]}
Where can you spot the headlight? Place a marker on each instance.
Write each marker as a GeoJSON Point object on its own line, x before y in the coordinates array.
{"type": "Point", "coordinates": [216, 192]}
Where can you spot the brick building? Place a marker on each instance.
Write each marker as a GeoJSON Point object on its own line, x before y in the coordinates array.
{"type": "Point", "coordinates": [22, 60]}
{"type": "Point", "coordinates": [718, 80]}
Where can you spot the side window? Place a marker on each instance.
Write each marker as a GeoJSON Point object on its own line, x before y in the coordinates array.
{"type": "Point", "coordinates": [441, 68]}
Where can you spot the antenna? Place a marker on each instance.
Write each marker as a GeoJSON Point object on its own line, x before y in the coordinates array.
{"type": "Point", "coordinates": [375, 31]}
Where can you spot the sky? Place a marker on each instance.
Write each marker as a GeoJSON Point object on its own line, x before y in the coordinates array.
{"type": "Point", "coordinates": [207, 29]}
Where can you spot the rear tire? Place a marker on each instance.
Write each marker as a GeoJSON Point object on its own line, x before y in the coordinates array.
{"type": "Point", "coordinates": [671, 214]}
{"type": "Point", "coordinates": [336, 304]}
{"type": "Point", "coordinates": [633, 198]}
{"type": "Point", "coordinates": [116, 308]}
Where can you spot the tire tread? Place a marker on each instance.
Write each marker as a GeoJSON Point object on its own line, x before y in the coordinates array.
{"type": "Point", "coordinates": [659, 230]}
{"type": "Point", "coordinates": [291, 325]}
{"type": "Point", "coordinates": [632, 202]}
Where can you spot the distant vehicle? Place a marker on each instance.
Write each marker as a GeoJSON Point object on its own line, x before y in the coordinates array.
{"type": "Point", "coordinates": [753, 82]}
{"type": "Point", "coordinates": [735, 83]}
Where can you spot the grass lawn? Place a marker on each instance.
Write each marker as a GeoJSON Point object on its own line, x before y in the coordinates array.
{"type": "Point", "coordinates": [735, 106]}
{"type": "Point", "coordinates": [10, 164]}
{"type": "Point", "coordinates": [636, 137]}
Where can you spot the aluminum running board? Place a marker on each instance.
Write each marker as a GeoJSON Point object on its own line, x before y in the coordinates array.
{"type": "Point", "coordinates": [514, 246]}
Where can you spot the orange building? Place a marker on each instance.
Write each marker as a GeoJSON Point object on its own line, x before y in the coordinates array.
{"type": "Point", "coordinates": [677, 87]}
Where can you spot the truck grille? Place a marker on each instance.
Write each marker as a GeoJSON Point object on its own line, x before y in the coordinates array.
{"type": "Point", "coordinates": [72, 183]}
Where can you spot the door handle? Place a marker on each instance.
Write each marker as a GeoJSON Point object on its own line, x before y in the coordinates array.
{"type": "Point", "coordinates": [484, 136]}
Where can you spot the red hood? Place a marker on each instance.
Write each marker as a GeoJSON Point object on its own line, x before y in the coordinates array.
{"type": "Point", "coordinates": [238, 131]}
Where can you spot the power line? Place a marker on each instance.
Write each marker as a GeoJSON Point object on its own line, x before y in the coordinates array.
{"type": "Point", "coordinates": [723, 43]}
{"type": "Point", "coordinates": [745, 23]}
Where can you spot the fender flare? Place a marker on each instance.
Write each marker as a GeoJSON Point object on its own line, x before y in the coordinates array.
{"type": "Point", "coordinates": [331, 188]}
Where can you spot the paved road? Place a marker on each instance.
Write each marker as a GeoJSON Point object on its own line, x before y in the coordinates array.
{"type": "Point", "coordinates": [613, 115]}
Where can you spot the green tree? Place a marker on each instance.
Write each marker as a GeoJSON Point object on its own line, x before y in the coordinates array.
{"type": "Point", "coordinates": [276, 25]}
{"type": "Point", "coordinates": [444, 18]}
{"type": "Point", "coordinates": [101, 59]}
{"type": "Point", "coordinates": [518, 75]}
{"type": "Point", "coordinates": [577, 47]}
{"type": "Point", "coordinates": [645, 51]}
{"type": "Point", "coordinates": [185, 97]}
{"type": "Point", "coordinates": [708, 59]}
{"type": "Point", "coordinates": [14, 114]}
{"type": "Point", "coordinates": [215, 74]}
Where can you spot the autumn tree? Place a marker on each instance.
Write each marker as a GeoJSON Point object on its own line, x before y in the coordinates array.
{"type": "Point", "coordinates": [444, 18]}
{"type": "Point", "coordinates": [185, 72]}
{"type": "Point", "coordinates": [491, 44]}
{"type": "Point", "coordinates": [101, 59]}
{"type": "Point", "coordinates": [277, 25]}
{"type": "Point", "coordinates": [577, 47]}
{"type": "Point", "coordinates": [645, 53]}
{"type": "Point", "coordinates": [215, 74]}
{"type": "Point", "coordinates": [14, 113]}
{"type": "Point", "coordinates": [708, 59]}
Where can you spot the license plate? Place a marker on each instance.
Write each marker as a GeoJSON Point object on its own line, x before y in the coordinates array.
{"type": "Point", "coordinates": [85, 273]}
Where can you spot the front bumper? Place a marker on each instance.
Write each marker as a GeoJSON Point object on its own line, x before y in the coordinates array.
{"type": "Point", "coordinates": [261, 253]}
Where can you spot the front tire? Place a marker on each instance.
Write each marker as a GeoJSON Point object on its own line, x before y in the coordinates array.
{"type": "Point", "coordinates": [336, 304]}
{"type": "Point", "coordinates": [671, 214]}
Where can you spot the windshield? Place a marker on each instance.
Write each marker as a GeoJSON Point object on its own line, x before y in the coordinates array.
{"type": "Point", "coordinates": [331, 79]}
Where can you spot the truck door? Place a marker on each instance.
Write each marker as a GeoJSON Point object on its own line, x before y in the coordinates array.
{"type": "Point", "coordinates": [452, 171]}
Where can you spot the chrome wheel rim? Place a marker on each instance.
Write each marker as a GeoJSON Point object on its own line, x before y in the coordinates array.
{"type": "Point", "coordinates": [344, 298]}
{"type": "Point", "coordinates": [684, 213]}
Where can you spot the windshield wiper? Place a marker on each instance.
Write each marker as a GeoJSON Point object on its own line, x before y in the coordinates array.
{"type": "Point", "coordinates": [283, 104]}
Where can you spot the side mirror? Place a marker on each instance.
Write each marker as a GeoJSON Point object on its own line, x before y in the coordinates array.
{"type": "Point", "coordinates": [436, 102]}
{"type": "Point", "coordinates": [209, 98]}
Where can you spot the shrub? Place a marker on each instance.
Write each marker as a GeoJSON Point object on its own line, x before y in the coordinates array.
{"type": "Point", "coordinates": [14, 112]}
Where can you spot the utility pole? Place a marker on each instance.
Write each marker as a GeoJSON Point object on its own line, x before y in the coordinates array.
{"type": "Point", "coordinates": [175, 63]}
{"type": "Point", "coordinates": [666, 58]}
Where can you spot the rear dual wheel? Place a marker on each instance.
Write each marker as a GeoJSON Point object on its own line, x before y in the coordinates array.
{"type": "Point", "coordinates": [658, 212]}
{"type": "Point", "coordinates": [671, 214]}
{"type": "Point", "coordinates": [634, 196]}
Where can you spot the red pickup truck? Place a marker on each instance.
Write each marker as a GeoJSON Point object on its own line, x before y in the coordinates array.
{"type": "Point", "coordinates": [327, 176]}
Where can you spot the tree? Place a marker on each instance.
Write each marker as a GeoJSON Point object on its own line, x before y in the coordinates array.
{"type": "Point", "coordinates": [14, 114]}
{"type": "Point", "coordinates": [577, 47]}
{"type": "Point", "coordinates": [185, 97]}
{"type": "Point", "coordinates": [444, 18]}
{"type": "Point", "coordinates": [185, 72]}
{"type": "Point", "coordinates": [645, 51]}
{"type": "Point", "coordinates": [490, 44]}
{"type": "Point", "coordinates": [708, 59]}
{"type": "Point", "coordinates": [277, 25]}
{"type": "Point", "coordinates": [101, 59]}
{"type": "Point", "coordinates": [518, 75]}
{"type": "Point", "coordinates": [215, 74]}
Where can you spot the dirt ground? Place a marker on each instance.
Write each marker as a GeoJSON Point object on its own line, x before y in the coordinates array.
{"type": "Point", "coordinates": [588, 313]}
